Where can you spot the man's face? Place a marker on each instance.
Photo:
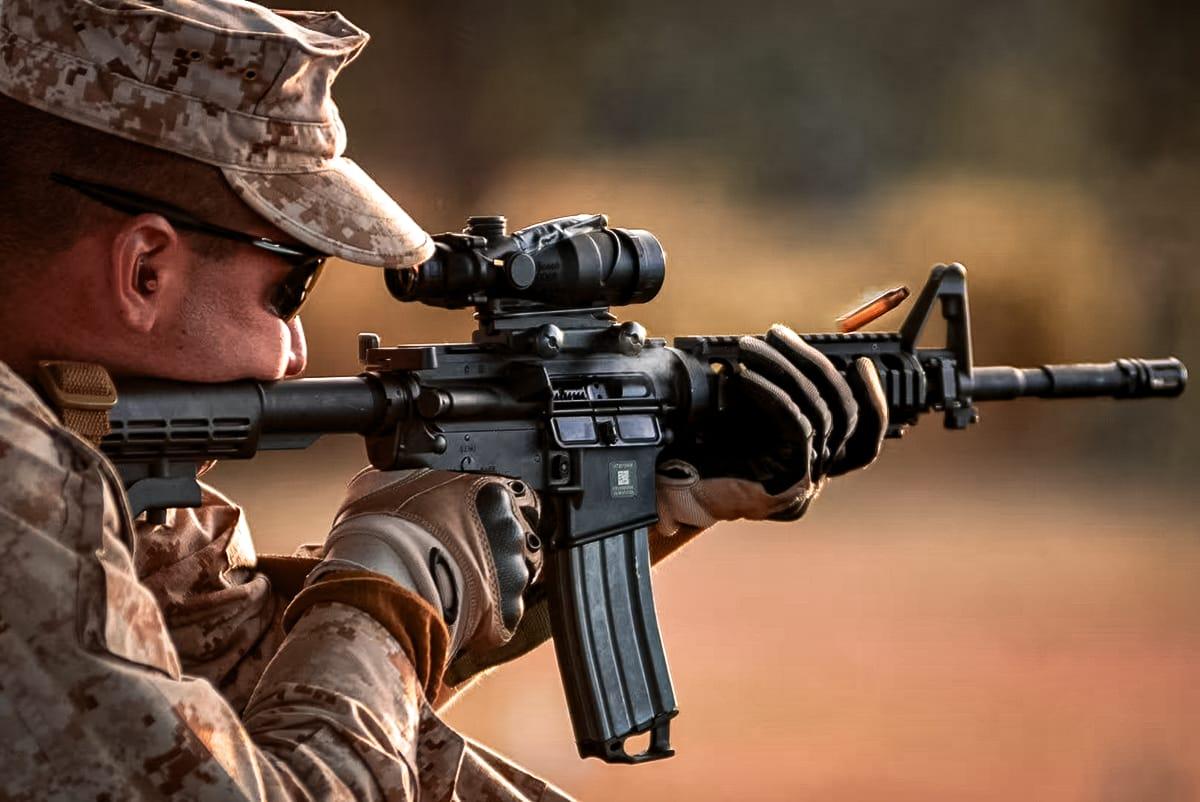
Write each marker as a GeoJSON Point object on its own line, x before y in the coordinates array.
{"type": "Point", "coordinates": [198, 301]}
{"type": "Point", "coordinates": [225, 328]}
{"type": "Point", "coordinates": [141, 298]}
{"type": "Point", "coordinates": [146, 300]}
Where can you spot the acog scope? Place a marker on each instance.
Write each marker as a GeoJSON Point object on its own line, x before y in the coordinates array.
{"type": "Point", "coordinates": [573, 262]}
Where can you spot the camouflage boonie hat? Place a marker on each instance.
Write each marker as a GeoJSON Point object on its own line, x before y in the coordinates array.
{"type": "Point", "coordinates": [225, 82]}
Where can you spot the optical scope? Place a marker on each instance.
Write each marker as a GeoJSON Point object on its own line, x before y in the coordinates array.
{"type": "Point", "coordinates": [575, 262]}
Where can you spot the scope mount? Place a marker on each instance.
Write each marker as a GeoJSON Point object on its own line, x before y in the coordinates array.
{"type": "Point", "coordinates": [547, 332]}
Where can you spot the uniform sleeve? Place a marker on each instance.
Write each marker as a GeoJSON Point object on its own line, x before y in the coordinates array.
{"type": "Point", "coordinates": [223, 614]}
{"type": "Point", "coordinates": [224, 620]}
{"type": "Point", "coordinates": [94, 703]}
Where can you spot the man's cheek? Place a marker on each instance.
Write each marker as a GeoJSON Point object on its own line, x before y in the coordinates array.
{"type": "Point", "coordinates": [270, 352]}
{"type": "Point", "coordinates": [297, 358]}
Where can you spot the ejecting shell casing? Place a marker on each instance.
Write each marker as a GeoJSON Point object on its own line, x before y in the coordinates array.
{"type": "Point", "coordinates": [872, 309]}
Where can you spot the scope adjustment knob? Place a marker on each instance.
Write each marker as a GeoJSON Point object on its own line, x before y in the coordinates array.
{"type": "Point", "coordinates": [488, 226]}
{"type": "Point", "coordinates": [521, 270]}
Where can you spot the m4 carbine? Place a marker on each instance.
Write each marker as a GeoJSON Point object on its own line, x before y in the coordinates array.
{"type": "Point", "coordinates": [553, 390]}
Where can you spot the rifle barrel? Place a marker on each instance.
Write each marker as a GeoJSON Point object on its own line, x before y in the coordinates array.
{"type": "Point", "coordinates": [1124, 378]}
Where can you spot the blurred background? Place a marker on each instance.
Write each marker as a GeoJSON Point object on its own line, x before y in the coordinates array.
{"type": "Point", "coordinates": [1006, 612]}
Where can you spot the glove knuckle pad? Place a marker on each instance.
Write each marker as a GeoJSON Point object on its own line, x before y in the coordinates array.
{"type": "Point", "coordinates": [507, 540]}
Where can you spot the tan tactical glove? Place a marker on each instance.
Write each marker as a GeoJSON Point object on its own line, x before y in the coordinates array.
{"type": "Point", "coordinates": [791, 420]}
{"type": "Point", "coordinates": [465, 544]}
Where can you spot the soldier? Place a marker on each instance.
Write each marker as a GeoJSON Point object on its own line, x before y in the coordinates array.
{"type": "Point", "coordinates": [173, 181]}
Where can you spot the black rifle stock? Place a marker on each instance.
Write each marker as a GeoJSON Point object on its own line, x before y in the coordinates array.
{"type": "Point", "coordinates": [553, 390]}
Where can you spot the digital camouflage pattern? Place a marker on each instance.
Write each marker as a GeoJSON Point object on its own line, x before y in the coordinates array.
{"type": "Point", "coordinates": [225, 82]}
{"type": "Point", "coordinates": [223, 615]}
{"type": "Point", "coordinates": [341, 208]}
{"type": "Point", "coordinates": [147, 663]}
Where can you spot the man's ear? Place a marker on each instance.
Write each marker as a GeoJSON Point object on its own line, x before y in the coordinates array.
{"type": "Point", "coordinates": [146, 267]}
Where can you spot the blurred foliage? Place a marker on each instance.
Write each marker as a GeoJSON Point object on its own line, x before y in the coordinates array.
{"type": "Point", "coordinates": [801, 99]}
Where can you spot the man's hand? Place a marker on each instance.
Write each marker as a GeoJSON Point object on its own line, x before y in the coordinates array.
{"type": "Point", "coordinates": [465, 543]}
{"type": "Point", "coordinates": [791, 420]}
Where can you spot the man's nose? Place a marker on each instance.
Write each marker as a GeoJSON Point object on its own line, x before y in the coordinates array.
{"type": "Point", "coordinates": [298, 358]}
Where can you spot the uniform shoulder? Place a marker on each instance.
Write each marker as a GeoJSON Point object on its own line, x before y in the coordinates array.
{"type": "Point", "coordinates": [19, 401]}
{"type": "Point", "coordinates": [35, 460]}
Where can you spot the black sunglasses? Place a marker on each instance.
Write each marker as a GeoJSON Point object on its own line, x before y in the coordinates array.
{"type": "Point", "coordinates": [286, 299]}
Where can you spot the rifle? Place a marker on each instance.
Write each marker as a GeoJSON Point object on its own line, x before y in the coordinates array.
{"type": "Point", "coordinates": [555, 391]}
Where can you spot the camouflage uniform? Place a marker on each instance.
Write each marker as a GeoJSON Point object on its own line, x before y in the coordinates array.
{"type": "Point", "coordinates": [127, 655]}
{"type": "Point", "coordinates": [151, 662]}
